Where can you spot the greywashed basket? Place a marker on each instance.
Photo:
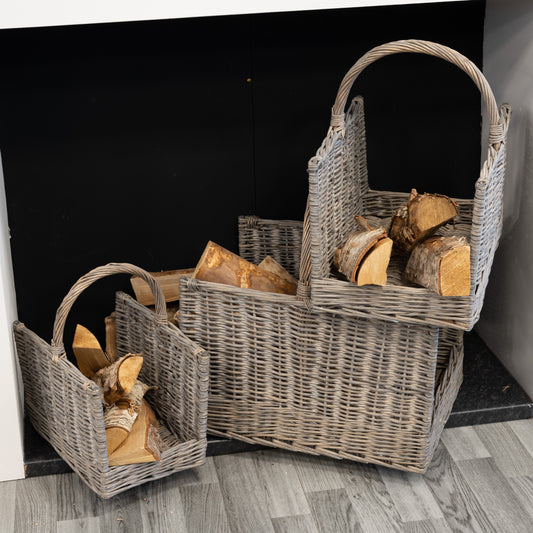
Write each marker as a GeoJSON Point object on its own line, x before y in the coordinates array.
{"type": "Point", "coordinates": [338, 190]}
{"type": "Point", "coordinates": [324, 384]}
{"type": "Point", "coordinates": [65, 407]}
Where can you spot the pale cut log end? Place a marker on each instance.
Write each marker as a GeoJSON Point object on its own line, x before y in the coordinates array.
{"type": "Point", "coordinates": [269, 264]}
{"type": "Point", "coordinates": [423, 215]}
{"type": "Point", "coordinates": [442, 265]}
{"type": "Point", "coordinates": [432, 212]}
{"type": "Point", "coordinates": [143, 444]}
{"type": "Point", "coordinates": [454, 279]}
{"type": "Point", "coordinates": [128, 372]}
{"type": "Point", "coordinates": [373, 268]}
{"type": "Point", "coordinates": [115, 436]}
{"type": "Point", "coordinates": [88, 352]}
{"type": "Point", "coordinates": [350, 255]}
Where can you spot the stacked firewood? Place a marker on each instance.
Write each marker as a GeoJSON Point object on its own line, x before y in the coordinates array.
{"type": "Point", "coordinates": [217, 265]}
{"type": "Point", "coordinates": [131, 427]}
{"type": "Point", "coordinates": [439, 263]}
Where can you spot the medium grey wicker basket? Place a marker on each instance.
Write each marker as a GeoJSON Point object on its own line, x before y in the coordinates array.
{"type": "Point", "coordinates": [338, 190]}
{"type": "Point", "coordinates": [65, 407]}
{"type": "Point", "coordinates": [344, 387]}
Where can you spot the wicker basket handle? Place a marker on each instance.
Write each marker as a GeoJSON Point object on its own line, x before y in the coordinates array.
{"type": "Point", "coordinates": [496, 134]}
{"type": "Point", "coordinates": [95, 275]}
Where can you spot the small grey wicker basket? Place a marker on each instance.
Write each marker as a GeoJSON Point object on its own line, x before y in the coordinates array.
{"type": "Point", "coordinates": [65, 407]}
{"type": "Point", "coordinates": [344, 387]}
{"type": "Point", "coordinates": [338, 190]}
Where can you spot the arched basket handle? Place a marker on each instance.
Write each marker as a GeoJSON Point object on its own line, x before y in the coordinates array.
{"type": "Point", "coordinates": [496, 134]}
{"type": "Point", "coordinates": [94, 275]}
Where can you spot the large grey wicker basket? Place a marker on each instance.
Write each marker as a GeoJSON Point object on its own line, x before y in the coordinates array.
{"type": "Point", "coordinates": [338, 190]}
{"type": "Point", "coordinates": [344, 387]}
{"type": "Point", "coordinates": [66, 408]}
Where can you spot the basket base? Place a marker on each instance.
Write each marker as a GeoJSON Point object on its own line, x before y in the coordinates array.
{"type": "Point", "coordinates": [481, 400]}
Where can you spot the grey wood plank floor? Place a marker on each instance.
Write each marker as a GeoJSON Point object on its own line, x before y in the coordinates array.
{"type": "Point", "coordinates": [480, 479]}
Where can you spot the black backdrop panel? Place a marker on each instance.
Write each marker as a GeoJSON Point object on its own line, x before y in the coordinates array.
{"type": "Point", "coordinates": [122, 142]}
{"type": "Point", "coordinates": [139, 142]}
{"type": "Point", "coordinates": [422, 114]}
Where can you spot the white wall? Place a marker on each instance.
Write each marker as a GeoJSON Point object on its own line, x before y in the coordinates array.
{"type": "Point", "coordinates": [30, 13]}
{"type": "Point", "coordinates": [11, 465]}
{"type": "Point", "coordinates": [506, 322]}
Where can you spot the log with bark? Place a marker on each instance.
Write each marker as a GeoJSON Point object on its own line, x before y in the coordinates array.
{"type": "Point", "coordinates": [365, 255]}
{"type": "Point", "coordinates": [222, 266]}
{"type": "Point", "coordinates": [423, 215]}
{"type": "Point", "coordinates": [271, 265]}
{"type": "Point", "coordinates": [88, 352]}
{"type": "Point", "coordinates": [111, 337]}
{"type": "Point", "coordinates": [169, 281]}
{"type": "Point", "coordinates": [120, 416]}
{"type": "Point", "coordinates": [143, 444]}
{"type": "Point", "coordinates": [117, 379]}
{"type": "Point", "coordinates": [441, 264]}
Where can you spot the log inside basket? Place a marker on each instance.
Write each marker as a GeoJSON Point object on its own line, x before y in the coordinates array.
{"type": "Point", "coordinates": [111, 337]}
{"type": "Point", "coordinates": [365, 255]}
{"type": "Point", "coordinates": [117, 379]}
{"type": "Point", "coordinates": [143, 444]}
{"type": "Point", "coordinates": [88, 352]}
{"type": "Point", "coordinates": [423, 215]}
{"type": "Point", "coordinates": [169, 281]}
{"type": "Point", "coordinates": [222, 266]}
{"type": "Point", "coordinates": [120, 416]}
{"type": "Point", "coordinates": [441, 264]}
{"type": "Point", "coordinates": [271, 265]}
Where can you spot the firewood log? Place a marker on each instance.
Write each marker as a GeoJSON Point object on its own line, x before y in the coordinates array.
{"type": "Point", "coordinates": [222, 266]}
{"type": "Point", "coordinates": [88, 352]}
{"type": "Point", "coordinates": [373, 268]}
{"type": "Point", "coordinates": [143, 444]}
{"type": "Point", "coordinates": [365, 255]}
{"type": "Point", "coordinates": [169, 281]}
{"type": "Point", "coordinates": [120, 416]}
{"type": "Point", "coordinates": [423, 215]}
{"type": "Point", "coordinates": [111, 337]}
{"type": "Point", "coordinates": [117, 379]}
{"type": "Point", "coordinates": [271, 265]}
{"type": "Point", "coordinates": [441, 264]}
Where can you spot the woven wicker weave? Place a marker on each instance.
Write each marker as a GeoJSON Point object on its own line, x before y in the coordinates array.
{"type": "Point", "coordinates": [66, 408]}
{"type": "Point", "coordinates": [319, 383]}
{"type": "Point", "coordinates": [338, 190]}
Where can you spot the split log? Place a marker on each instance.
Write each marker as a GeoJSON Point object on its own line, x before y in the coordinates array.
{"type": "Point", "coordinates": [111, 337]}
{"type": "Point", "coordinates": [373, 267]}
{"type": "Point", "coordinates": [222, 266]}
{"type": "Point", "coordinates": [143, 444]}
{"type": "Point", "coordinates": [441, 264]}
{"type": "Point", "coordinates": [423, 215]}
{"type": "Point", "coordinates": [271, 265]}
{"type": "Point", "coordinates": [117, 379]}
{"type": "Point", "coordinates": [365, 255]}
{"type": "Point", "coordinates": [120, 416]}
{"type": "Point", "coordinates": [88, 352]}
{"type": "Point", "coordinates": [169, 281]}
